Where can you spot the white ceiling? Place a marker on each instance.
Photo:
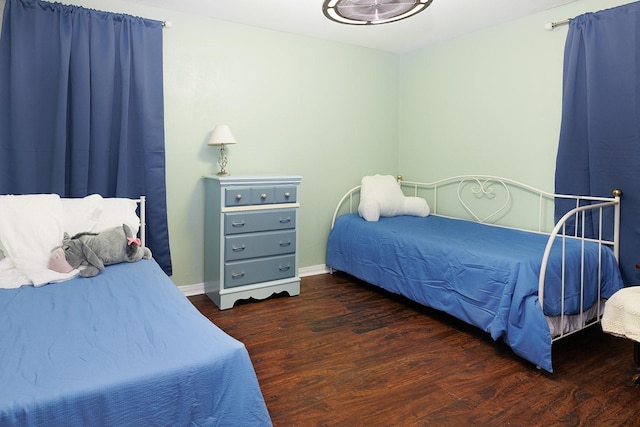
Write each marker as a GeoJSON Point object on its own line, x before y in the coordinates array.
{"type": "Point", "coordinates": [443, 20]}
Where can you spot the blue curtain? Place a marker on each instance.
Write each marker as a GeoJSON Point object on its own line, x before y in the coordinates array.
{"type": "Point", "coordinates": [599, 147]}
{"type": "Point", "coordinates": [81, 108]}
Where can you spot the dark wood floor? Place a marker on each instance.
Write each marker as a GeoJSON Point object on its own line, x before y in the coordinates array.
{"type": "Point", "coordinates": [343, 353]}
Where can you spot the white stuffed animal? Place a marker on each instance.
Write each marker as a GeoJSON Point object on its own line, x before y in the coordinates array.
{"type": "Point", "coordinates": [380, 195]}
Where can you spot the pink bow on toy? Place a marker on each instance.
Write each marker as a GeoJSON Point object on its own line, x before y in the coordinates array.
{"type": "Point", "coordinates": [131, 240]}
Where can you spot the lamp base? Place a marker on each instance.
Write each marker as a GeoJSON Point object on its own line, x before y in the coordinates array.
{"type": "Point", "coordinates": [222, 161]}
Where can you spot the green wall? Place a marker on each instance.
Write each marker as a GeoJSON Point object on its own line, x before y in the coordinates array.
{"type": "Point", "coordinates": [295, 105]}
{"type": "Point", "coordinates": [488, 102]}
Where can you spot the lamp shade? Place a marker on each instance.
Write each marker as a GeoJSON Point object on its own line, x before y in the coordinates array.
{"type": "Point", "coordinates": [221, 135]}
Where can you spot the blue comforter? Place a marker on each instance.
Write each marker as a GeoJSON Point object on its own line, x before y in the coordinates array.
{"type": "Point", "coordinates": [484, 275]}
{"type": "Point", "coordinates": [122, 348]}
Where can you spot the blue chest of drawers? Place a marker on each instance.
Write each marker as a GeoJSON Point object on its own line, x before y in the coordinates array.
{"type": "Point", "coordinates": [251, 225]}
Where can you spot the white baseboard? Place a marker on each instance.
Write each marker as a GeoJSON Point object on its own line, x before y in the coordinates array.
{"type": "Point", "coordinates": [313, 270]}
{"type": "Point", "coordinates": [198, 288]}
{"type": "Point", "coordinates": [190, 290]}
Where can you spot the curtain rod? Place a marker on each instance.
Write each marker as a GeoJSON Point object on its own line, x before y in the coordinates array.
{"type": "Point", "coordinates": [551, 25]}
{"type": "Point", "coordinates": [167, 24]}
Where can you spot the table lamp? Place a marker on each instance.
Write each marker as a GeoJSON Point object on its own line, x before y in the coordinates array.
{"type": "Point", "coordinates": [222, 136]}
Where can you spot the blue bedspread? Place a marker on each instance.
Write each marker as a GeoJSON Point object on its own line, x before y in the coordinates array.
{"type": "Point", "coordinates": [484, 275]}
{"type": "Point", "coordinates": [124, 348]}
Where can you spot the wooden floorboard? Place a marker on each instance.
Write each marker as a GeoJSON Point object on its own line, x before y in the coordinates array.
{"type": "Point", "coordinates": [344, 353]}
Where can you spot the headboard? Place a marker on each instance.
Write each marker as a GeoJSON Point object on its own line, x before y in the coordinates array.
{"type": "Point", "coordinates": [142, 214]}
{"type": "Point", "coordinates": [499, 201]}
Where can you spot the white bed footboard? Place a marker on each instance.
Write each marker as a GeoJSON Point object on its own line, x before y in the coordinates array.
{"type": "Point", "coordinates": [587, 315]}
{"type": "Point", "coordinates": [507, 203]}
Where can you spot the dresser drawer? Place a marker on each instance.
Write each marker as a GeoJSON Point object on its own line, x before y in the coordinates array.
{"type": "Point", "coordinates": [285, 194]}
{"type": "Point", "coordinates": [237, 196]}
{"type": "Point", "coordinates": [260, 195]}
{"type": "Point", "coordinates": [242, 273]}
{"type": "Point", "coordinates": [264, 220]}
{"type": "Point", "coordinates": [243, 246]}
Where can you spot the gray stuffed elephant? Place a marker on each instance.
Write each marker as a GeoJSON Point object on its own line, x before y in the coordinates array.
{"type": "Point", "coordinates": [96, 250]}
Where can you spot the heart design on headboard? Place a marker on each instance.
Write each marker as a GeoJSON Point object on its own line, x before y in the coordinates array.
{"type": "Point", "coordinates": [485, 190]}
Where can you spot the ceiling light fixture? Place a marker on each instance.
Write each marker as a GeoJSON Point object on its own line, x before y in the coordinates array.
{"type": "Point", "coordinates": [372, 12]}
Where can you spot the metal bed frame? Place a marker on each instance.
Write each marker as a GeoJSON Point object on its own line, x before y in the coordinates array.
{"type": "Point", "coordinates": [493, 200]}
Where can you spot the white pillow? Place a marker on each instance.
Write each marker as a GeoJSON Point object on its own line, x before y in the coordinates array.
{"type": "Point", "coordinates": [30, 227]}
{"type": "Point", "coordinates": [118, 211]}
{"type": "Point", "coordinates": [81, 214]}
{"type": "Point", "coordinates": [416, 206]}
{"type": "Point", "coordinates": [380, 195]}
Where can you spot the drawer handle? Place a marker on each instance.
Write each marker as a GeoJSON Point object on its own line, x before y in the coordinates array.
{"type": "Point", "coordinates": [283, 244]}
{"type": "Point", "coordinates": [239, 197]}
{"type": "Point", "coordinates": [285, 220]}
{"type": "Point", "coordinates": [263, 196]}
{"type": "Point", "coordinates": [238, 224]}
{"type": "Point", "coordinates": [237, 275]}
{"type": "Point", "coordinates": [285, 268]}
{"type": "Point", "coordinates": [238, 248]}
{"type": "Point", "coordinates": [287, 195]}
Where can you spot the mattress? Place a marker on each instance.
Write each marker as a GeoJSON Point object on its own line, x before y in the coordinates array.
{"type": "Point", "coordinates": [484, 275]}
{"type": "Point", "coordinates": [122, 348]}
